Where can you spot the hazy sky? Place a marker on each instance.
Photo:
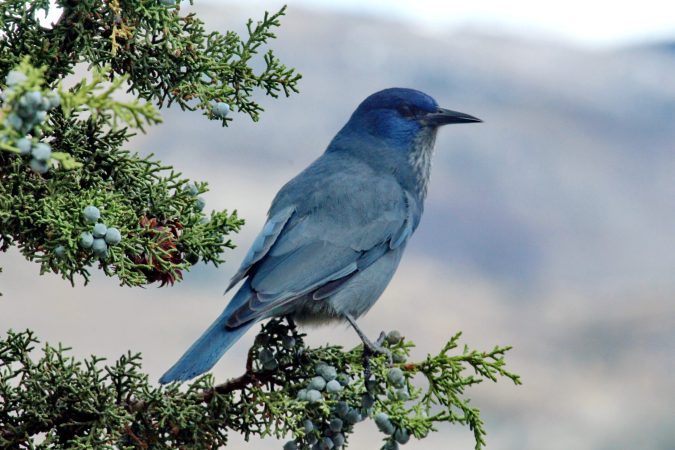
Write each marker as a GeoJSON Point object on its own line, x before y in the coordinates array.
{"type": "Point", "coordinates": [586, 22]}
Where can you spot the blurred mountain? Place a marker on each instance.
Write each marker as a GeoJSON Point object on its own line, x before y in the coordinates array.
{"type": "Point", "coordinates": [550, 227]}
{"type": "Point", "coordinates": [568, 181]}
{"type": "Point", "coordinates": [665, 46]}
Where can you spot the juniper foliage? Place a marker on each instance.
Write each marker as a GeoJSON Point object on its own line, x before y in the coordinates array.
{"type": "Point", "coordinates": [58, 402]}
{"type": "Point", "coordinates": [163, 58]}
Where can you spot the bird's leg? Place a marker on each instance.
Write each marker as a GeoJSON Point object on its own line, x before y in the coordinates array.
{"type": "Point", "coordinates": [370, 348]}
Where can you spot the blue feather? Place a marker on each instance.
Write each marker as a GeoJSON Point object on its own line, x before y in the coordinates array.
{"type": "Point", "coordinates": [212, 344]}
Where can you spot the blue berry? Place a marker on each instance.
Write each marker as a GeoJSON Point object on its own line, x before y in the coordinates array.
{"type": "Point", "coordinates": [327, 443]}
{"type": "Point", "coordinates": [45, 104]}
{"type": "Point", "coordinates": [333, 387]}
{"type": "Point", "coordinates": [266, 355]}
{"type": "Point", "coordinates": [39, 166]}
{"type": "Point", "coordinates": [353, 416]}
{"type": "Point", "coordinates": [168, 2]}
{"type": "Point", "coordinates": [398, 358]}
{"type": "Point", "coordinates": [54, 100]}
{"type": "Point", "coordinates": [31, 99]}
{"type": "Point", "coordinates": [40, 116]}
{"type": "Point", "coordinates": [338, 440]}
{"type": "Point", "coordinates": [395, 377]}
{"type": "Point", "coordinates": [327, 372]}
{"type": "Point", "coordinates": [401, 435]}
{"type": "Point", "coordinates": [86, 240]}
{"type": "Point", "coordinates": [14, 121]}
{"type": "Point", "coordinates": [15, 77]}
{"type": "Point", "coordinates": [41, 151]}
{"type": "Point", "coordinates": [200, 203]}
{"type": "Point", "coordinates": [91, 213]}
{"type": "Point", "coordinates": [99, 230]}
{"type": "Point", "coordinates": [60, 251]}
{"type": "Point", "coordinates": [291, 445]}
{"type": "Point", "coordinates": [308, 425]}
{"type": "Point", "coordinates": [191, 188]}
{"type": "Point", "coordinates": [113, 236]}
{"type": "Point", "coordinates": [302, 395]}
{"type": "Point", "coordinates": [317, 383]}
{"type": "Point", "coordinates": [24, 145]}
{"type": "Point", "coordinates": [384, 424]}
{"type": "Point", "coordinates": [342, 408]}
{"type": "Point", "coordinates": [288, 342]}
{"type": "Point", "coordinates": [314, 396]}
{"type": "Point", "coordinates": [335, 424]}
{"type": "Point", "coordinates": [100, 248]}
{"type": "Point", "coordinates": [221, 109]}
{"type": "Point", "coordinates": [272, 364]}
{"type": "Point", "coordinates": [403, 394]}
{"type": "Point", "coordinates": [24, 110]}
{"type": "Point", "coordinates": [394, 337]}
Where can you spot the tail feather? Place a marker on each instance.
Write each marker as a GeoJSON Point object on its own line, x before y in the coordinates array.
{"type": "Point", "coordinates": [211, 346]}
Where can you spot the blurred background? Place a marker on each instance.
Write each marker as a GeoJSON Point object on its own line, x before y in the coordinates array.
{"type": "Point", "coordinates": [550, 227]}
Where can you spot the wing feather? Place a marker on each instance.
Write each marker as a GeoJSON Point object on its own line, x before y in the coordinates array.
{"type": "Point", "coordinates": [262, 243]}
{"type": "Point", "coordinates": [340, 222]}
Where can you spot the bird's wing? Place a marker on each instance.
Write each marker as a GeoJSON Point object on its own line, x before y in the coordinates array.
{"type": "Point", "coordinates": [262, 243]}
{"type": "Point", "coordinates": [316, 244]}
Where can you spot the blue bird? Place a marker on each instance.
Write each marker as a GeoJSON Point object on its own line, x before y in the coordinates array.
{"type": "Point", "coordinates": [336, 232]}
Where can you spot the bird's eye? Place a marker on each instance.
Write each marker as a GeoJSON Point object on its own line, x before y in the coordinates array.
{"type": "Point", "coordinates": [406, 111]}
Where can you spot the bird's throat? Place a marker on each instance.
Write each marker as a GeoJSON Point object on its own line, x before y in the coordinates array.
{"type": "Point", "coordinates": [420, 158]}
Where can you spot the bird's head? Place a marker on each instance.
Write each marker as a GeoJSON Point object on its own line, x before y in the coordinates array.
{"type": "Point", "coordinates": [399, 115]}
{"type": "Point", "coordinates": [395, 130]}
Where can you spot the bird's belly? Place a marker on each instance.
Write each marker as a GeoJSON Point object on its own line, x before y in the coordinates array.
{"type": "Point", "coordinates": [355, 297]}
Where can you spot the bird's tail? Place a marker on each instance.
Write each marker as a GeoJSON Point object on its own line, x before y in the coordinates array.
{"type": "Point", "coordinates": [209, 348]}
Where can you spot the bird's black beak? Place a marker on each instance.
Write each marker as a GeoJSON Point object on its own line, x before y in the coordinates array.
{"type": "Point", "coordinates": [445, 116]}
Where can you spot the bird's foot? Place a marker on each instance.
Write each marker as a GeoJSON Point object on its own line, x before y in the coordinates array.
{"type": "Point", "coordinates": [376, 348]}
{"type": "Point", "coordinates": [370, 348]}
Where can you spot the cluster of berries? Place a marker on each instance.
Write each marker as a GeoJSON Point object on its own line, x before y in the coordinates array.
{"type": "Point", "coordinates": [326, 390]}
{"type": "Point", "coordinates": [31, 110]}
{"type": "Point", "coordinates": [101, 236]}
{"type": "Point", "coordinates": [40, 154]}
{"type": "Point", "coordinates": [398, 435]}
{"type": "Point", "coordinates": [326, 380]}
{"type": "Point", "coordinates": [266, 358]}
{"type": "Point", "coordinates": [329, 434]}
{"type": "Point", "coordinates": [396, 378]}
{"type": "Point", "coordinates": [397, 391]}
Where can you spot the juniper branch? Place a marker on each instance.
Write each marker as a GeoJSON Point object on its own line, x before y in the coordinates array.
{"type": "Point", "coordinates": [56, 159]}
{"type": "Point", "coordinates": [73, 404]}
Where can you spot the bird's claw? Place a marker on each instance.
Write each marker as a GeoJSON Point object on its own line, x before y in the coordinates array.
{"type": "Point", "coordinates": [380, 340]}
{"type": "Point", "coordinates": [370, 349]}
